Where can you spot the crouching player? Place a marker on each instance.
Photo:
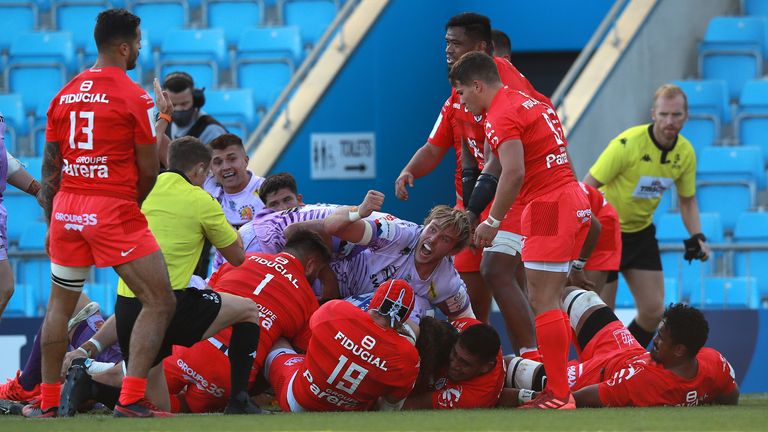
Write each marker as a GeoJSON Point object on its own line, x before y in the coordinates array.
{"type": "Point", "coordinates": [356, 361]}
{"type": "Point", "coordinates": [616, 371]}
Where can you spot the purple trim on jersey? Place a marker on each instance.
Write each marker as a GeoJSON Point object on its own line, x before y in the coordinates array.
{"type": "Point", "coordinates": [3, 160]}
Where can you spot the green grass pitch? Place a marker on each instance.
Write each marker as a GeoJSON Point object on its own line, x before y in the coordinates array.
{"type": "Point", "coordinates": [750, 415]}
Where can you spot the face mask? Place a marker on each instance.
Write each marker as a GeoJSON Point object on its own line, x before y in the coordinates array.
{"type": "Point", "coordinates": [182, 118]}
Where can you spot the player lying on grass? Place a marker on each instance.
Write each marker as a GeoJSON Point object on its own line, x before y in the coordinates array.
{"type": "Point", "coordinates": [356, 360]}
{"type": "Point", "coordinates": [616, 371]}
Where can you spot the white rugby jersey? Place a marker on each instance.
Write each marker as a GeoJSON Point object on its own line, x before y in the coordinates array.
{"type": "Point", "coordinates": [240, 207]}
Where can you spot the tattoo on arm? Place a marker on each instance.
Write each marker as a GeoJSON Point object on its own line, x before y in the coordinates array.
{"type": "Point", "coordinates": [51, 173]}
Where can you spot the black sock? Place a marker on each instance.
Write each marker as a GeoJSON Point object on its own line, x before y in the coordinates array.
{"type": "Point", "coordinates": [642, 335]}
{"type": "Point", "coordinates": [105, 394]}
{"type": "Point", "coordinates": [244, 341]}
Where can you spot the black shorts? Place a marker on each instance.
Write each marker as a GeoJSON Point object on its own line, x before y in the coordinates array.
{"type": "Point", "coordinates": [195, 311]}
{"type": "Point", "coordinates": [639, 250]}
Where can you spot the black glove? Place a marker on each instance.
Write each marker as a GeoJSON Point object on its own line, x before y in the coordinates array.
{"type": "Point", "coordinates": [693, 247]}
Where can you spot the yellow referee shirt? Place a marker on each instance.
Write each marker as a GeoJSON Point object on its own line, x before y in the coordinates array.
{"type": "Point", "coordinates": [635, 172]}
{"type": "Point", "coordinates": [181, 216]}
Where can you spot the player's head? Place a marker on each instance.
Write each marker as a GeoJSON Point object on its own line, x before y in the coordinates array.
{"type": "Point", "coordinates": [502, 47]}
{"type": "Point", "coordinates": [230, 163]}
{"type": "Point", "coordinates": [393, 299]}
{"type": "Point", "coordinates": [190, 156]}
{"type": "Point", "coordinates": [187, 100]}
{"type": "Point", "coordinates": [310, 249]}
{"type": "Point", "coordinates": [476, 80]}
{"type": "Point", "coordinates": [474, 353]}
{"type": "Point", "coordinates": [279, 192]}
{"type": "Point", "coordinates": [117, 34]}
{"type": "Point", "coordinates": [435, 342]}
{"type": "Point", "coordinates": [446, 232]}
{"type": "Point", "coordinates": [669, 112]}
{"type": "Point", "coordinates": [466, 32]}
{"type": "Point", "coordinates": [682, 333]}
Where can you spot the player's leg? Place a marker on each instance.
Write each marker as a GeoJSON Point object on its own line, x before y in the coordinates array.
{"type": "Point", "coordinates": [6, 278]}
{"type": "Point", "coordinates": [280, 367]}
{"type": "Point", "coordinates": [608, 292]}
{"type": "Point", "coordinates": [147, 277]}
{"type": "Point", "coordinates": [647, 287]}
{"type": "Point", "coordinates": [499, 268]}
{"type": "Point", "coordinates": [479, 295]}
{"type": "Point", "coordinates": [599, 277]}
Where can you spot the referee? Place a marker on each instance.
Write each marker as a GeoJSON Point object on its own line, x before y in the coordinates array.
{"type": "Point", "coordinates": [634, 171]}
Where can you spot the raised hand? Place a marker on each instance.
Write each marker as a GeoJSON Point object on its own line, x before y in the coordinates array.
{"type": "Point", "coordinates": [372, 202]}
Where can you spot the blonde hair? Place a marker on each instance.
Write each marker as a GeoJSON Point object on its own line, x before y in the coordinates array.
{"type": "Point", "coordinates": [456, 220]}
{"type": "Point", "coordinates": [670, 91]}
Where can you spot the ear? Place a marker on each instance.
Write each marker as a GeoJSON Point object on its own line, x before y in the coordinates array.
{"type": "Point", "coordinates": [680, 350]}
{"type": "Point", "coordinates": [478, 86]}
{"type": "Point", "coordinates": [300, 199]}
{"type": "Point", "coordinates": [482, 46]}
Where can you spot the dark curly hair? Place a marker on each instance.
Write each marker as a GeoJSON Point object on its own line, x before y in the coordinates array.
{"type": "Point", "coordinates": [687, 326]}
{"type": "Point", "coordinates": [436, 339]}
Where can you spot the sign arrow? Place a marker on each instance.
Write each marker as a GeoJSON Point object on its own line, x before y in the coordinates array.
{"type": "Point", "coordinates": [360, 167]}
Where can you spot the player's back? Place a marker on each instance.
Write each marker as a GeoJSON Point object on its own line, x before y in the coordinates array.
{"type": "Point", "coordinates": [97, 119]}
{"type": "Point", "coordinates": [517, 115]}
{"type": "Point", "coordinates": [277, 284]}
{"type": "Point", "coordinates": [269, 229]}
{"type": "Point", "coordinates": [352, 361]}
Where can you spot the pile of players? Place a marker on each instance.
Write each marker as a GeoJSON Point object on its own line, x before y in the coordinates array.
{"type": "Point", "coordinates": [372, 344]}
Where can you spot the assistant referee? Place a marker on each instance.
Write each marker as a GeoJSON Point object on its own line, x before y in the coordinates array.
{"type": "Point", "coordinates": [634, 171]}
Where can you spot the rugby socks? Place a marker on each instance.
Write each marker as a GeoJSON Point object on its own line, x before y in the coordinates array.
{"type": "Point", "coordinates": [642, 335]}
{"type": "Point", "coordinates": [244, 341]}
{"type": "Point", "coordinates": [530, 354]}
{"type": "Point", "coordinates": [86, 329]}
{"type": "Point", "coordinates": [553, 345]}
{"type": "Point", "coordinates": [133, 390]}
{"type": "Point", "coordinates": [50, 394]}
{"type": "Point", "coordinates": [31, 375]}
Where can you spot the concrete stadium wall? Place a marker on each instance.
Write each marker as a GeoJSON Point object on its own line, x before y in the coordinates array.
{"type": "Point", "coordinates": [741, 335]}
{"type": "Point", "coordinates": [665, 49]}
{"type": "Point", "coordinates": [395, 84]}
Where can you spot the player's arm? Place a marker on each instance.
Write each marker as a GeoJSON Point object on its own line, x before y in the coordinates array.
{"type": "Point", "coordinates": [104, 337]}
{"type": "Point", "coordinates": [51, 175]}
{"type": "Point", "coordinates": [484, 189]}
{"type": "Point", "coordinates": [510, 398]}
{"type": "Point", "coordinates": [689, 211]}
{"type": "Point", "coordinates": [588, 179]}
{"type": "Point", "coordinates": [21, 179]}
{"type": "Point", "coordinates": [346, 222]}
{"type": "Point", "coordinates": [731, 398]}
{"type": "Point", "coordinates": [234, 253]}
{"type": "Point", "coordinates": [419, 401]}
{"type": "Point", "coordinates": [389, 403]}
{"type": "Point", "coordinates": [423, 162]}
{"type": "Point", "coordinates": [576, 276]}
{"type": "Point", "coordinates": [588, 396]}
{"type": "Point", "coordinates": [510, 181]}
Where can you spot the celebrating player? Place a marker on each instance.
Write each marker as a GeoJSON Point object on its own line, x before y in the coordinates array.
{"type": "Point", "coordinates": [526, 136]}
{"type": "Point", "coordinates": [356, 361]}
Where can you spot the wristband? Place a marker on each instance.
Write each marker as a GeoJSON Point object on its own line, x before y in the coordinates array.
{"type": "Point", "coordinates": [524, 396]}
{"type": "Point", "coordinates": [492, 222]}
{"type": "Point", "coordinates": [699, 236]}
{"type": "Point", "coordinates": [164, 116]}
{"type": "Point", "coordinates": [354, 216]}
{"type": "Point", "coordinates": [84, 351]}
{"type": "Point", "coordinates": [96, 345]}
{"type": "Point", "coordinates": [578, 264]}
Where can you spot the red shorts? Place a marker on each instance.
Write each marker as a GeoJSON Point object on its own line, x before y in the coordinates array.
{"type": "Point", "coordinates": [555, 225]}
{"type": "Point", "coordinates": [281, 371]}
{"type": "Point", "coordinates": [468, 260]}
{"type": "Point", "coordinates": [512, 220]}
{"type": "Point", "coordinates": [101, 230]}
{"type": "Point", "coordinates": [607, 349]}
{"type": "Point", "coordinates": [607, 253]}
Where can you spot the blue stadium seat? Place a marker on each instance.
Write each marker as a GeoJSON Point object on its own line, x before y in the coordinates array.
{"type": "Point", "coordinates": [22, 210]}
{"type": "Point", "coordinates": [752, 120]}
{"type": "Point", "coordinates": [271, 42]}
{"type": "Point", "coordinates": [35, 272]}
{"type": "Point", "coordinates": [22, 303]}
{"type": "Point", "coordinates": [265, 77]}
{"type": "Point", "coordinates": [671, 232]}
{"type": "Point", "coordinates": [311, 16]}
{"type": "Point", "coordinates": [624, 297]}
{"type": "Point", "coordinates": [667, 203]}
{"type": "Point", "coordinates": [732, 175]}
{"type": "Point", "coordinates": [38, 65]}
{"type": "Point", "coordinates": [79, 18]}
{"type": "Point", "coordinates": [33, 165]}
{"type": "Point", "coordinates": [198, 52]}
{"type": "Point", "coordinates": [159, 17]}
{"type": "Point", "coordinates": [752, 228]}
{"type": "Point", "coordinates": [106, 276]}
{"type": "Point", "coordinates": [16, 124]}
{"type": "Point", "coordinates": [708, 110]}
{"type": "Point", "coordinates": [233, 108]}
{"type": "Point", "coordinates": [19, 16]}
{"type": "Point", "coordinates": [233, 16]}
{"type": "Point", "coordinates": [755, 7]}
{"type": "Point", "coordinates": [104, 295]}
{"type": "Point", "coordinates": [726, 293]}
{"type": "Point", "coordinates": [733, 50]}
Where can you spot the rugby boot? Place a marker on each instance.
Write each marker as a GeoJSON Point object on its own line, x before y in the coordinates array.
{"type": "Point", "coordinates": [9, 407]}
{"type": "Point", "coordinates": [242, 404]}
{"type": "Point", "coordinates": [546, 400]}
{"type": "Point", "coordinates": [77, 388]}
{"type": "Point", "coordinates": [12, 390]}
{"type": "Point", "coordinates": [140, 408]}
{"type": "Point", "coordinates": [34, 410]}
{"type": "Point", "coordinates": [84, 313]}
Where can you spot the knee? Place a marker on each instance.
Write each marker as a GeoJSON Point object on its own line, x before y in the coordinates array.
{"type": "Point", "coordinates": [6, 292]}
{"type": "Point", "coordinates": [498, 276]}
{"type": "Point", "coordinates": [163, 304]}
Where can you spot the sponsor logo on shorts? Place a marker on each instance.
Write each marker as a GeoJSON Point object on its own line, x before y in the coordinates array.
{"type": "Point", "coordinates": [76, 222]}
{"type": "Point", "coordinates": [125, 253]}
{"type": "Point", "coordinates": [624, 338]}
{"type": "Point", "coordinates": [198, 380]}
{"type": "Point", "coordinates": [294, 360]}
{"type": "Point", "coordinates": [571, 375]}
{"type": "Point", "coordinates": [210, 297]}
{"type": "Point", "coordinates": [584, 215]}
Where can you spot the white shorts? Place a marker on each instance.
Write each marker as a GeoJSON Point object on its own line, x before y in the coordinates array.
{"type": "Point", "coordinates": [553, 267]}
{"type": "Point", "coordinates": [506, 242]}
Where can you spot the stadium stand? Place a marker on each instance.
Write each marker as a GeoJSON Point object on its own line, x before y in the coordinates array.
{"type": "Point", "coordinates": [708, 111]}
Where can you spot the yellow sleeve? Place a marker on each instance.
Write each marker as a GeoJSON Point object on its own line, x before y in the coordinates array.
{"type": "Point", "coordinates": [611, 162]}
{"type": "Point", "coordinates": [686, 183]}
{"type": "Point", "coordinates": [215, 226]}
